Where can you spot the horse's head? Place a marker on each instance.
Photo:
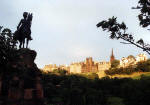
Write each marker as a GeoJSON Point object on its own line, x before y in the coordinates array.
{"type": "Point", "coordinates": [30, 16]}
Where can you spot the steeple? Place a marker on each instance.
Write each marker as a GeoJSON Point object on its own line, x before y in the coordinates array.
{"type": "Point", "coordinates": [112, 57]}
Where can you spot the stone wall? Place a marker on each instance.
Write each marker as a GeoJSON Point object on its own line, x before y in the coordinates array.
{"type": "Point", "coordinates": [21, 84]}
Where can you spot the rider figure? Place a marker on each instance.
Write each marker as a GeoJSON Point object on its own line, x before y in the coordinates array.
{"type": "Point", "coordinates": [23, 23]}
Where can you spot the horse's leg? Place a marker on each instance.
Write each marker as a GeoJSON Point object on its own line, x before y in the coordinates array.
{"type": "Point", "coordinates": [23, 42]}
{"type": "Point", "coordinates": [27, 43]}
{"type": "Point", "coordinates": [14, 44]}
{"type": "Point", "coordinates": [20, 44]}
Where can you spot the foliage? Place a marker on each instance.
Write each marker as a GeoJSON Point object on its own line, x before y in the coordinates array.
{"type": "Point", "coordinates": [144, 66]}
{"type": "Point", "coordinates": [79, 90]}
{"type": "Point", "coordinates": [119, 30]}
{"type": "Point", "coordinates": [115, 63]}
{"type": "Point", "coordinates": [15, 63]}
{"type": "Point", "coordinates": [127, 70]}
{"type": "Point", "coordinates": [60, 71]}
{"type": "Point", "coordinates": [7, 46]}
{"type": "Point", "coordinates": [131, 57]}
{"type": "Point", "coordinates": [91, 76]}
{"type": "Point", "coordinates": [115, 101]}
{"type": "Point", "coordinates": [144, 16]}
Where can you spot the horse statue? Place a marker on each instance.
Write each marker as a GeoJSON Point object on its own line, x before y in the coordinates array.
{"type": "Point", "coordinates": [24, 30]}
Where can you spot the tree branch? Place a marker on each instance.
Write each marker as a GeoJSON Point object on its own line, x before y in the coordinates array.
{"type": "Point", "coordinates": [118, 31]}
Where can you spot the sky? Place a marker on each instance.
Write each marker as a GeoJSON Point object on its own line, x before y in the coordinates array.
{"type": "Point", "coordinates": [64, 31]}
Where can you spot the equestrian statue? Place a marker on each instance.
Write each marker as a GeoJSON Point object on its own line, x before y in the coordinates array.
{"type": "Point", "coordinates": [23, 31]}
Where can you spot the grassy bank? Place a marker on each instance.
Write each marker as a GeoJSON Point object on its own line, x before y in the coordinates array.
{"type": "Point", "coordinates": [144, 74]}
{"type": "Point", "coordinates": [136, 75]}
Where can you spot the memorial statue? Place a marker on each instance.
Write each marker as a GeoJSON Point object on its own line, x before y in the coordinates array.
{"type": "Point", "coordinates": [24, 30]}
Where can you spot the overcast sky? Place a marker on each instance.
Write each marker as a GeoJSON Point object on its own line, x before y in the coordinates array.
{"type": "Point", "coordinates": [65, 31]}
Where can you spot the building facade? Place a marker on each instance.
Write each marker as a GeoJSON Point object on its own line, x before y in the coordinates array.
{"type": "Point", "coordinates": [141, 57]}
{"type": "Point", "coordinates": [89, 65]}
{"type": "Point", "coordinates": [103, 66]}
{"type": "Point", "coordinates": [52, 67]}
{"type": "Point", "coordinates": [131, 60]}
{"type": "Point", "coordinates": [84, 67]}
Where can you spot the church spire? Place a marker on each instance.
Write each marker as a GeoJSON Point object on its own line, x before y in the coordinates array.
{"type": "Point", "coordinates": [112, 57]}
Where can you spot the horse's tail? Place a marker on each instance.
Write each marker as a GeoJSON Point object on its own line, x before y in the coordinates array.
{"type": "Point", "coordinates": [15, 35]}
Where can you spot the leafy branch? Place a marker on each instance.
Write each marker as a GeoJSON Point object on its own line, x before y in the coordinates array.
{"type": "Point", "coordinates": [119, 31]}
{"type": "Point", "coordinates": [144, 16]}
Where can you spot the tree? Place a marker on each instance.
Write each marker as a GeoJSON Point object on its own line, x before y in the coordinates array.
{"type": "Point", "coordinates": [131, 60]}
{"type": "Point", "coordinates": [92, 76]}
{"type": "Point", "coordinates": [60, 71]}
{"type": "Point", "coordinates": [119, 30]}
{"type": "Point", "coordinates": [131, 57]}
{"type": "Point", "coordinates": [7, 47]}
{"type": "Point", "coordinates": [143, 66]}
{"type": "Point", "coordinates": [115, 63]}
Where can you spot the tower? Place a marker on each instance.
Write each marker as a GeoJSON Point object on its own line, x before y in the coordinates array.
{"type": "Point", "coordinates": [87, 61]}
{"type": "Point", "coordinates": [112, 57]}
{"type": "Point", "coordinates": [91, 61]}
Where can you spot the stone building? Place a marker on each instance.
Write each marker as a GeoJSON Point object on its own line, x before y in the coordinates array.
{"type": "Point", "coordinates": [112, 57]}
{"type": "Point", "coordinates": [84, 67]}
{"type": "Point", "coordinates": [141, 57]}
{"type": "Point", "coordinates": [103, 66]}
{"type": "Point", "coordinates": [89, 66]}
{"type": "Point", "coordinates": [64, 67]}
{"type": "Point", "coordinates": [50, 67]}
{"type": "Point", "coordinates": [76, 68]}
{"type": "Point", "coordinates": [131, 60]}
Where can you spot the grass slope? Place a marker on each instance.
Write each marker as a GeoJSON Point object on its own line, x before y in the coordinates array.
{"type": "Point", "coordinates": [146, 75]}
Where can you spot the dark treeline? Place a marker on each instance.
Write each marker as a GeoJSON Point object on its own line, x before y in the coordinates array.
{"type": "Point", "coordinates": [79, 90]}
{"type": "Point", "coordinates": [139, 67]}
